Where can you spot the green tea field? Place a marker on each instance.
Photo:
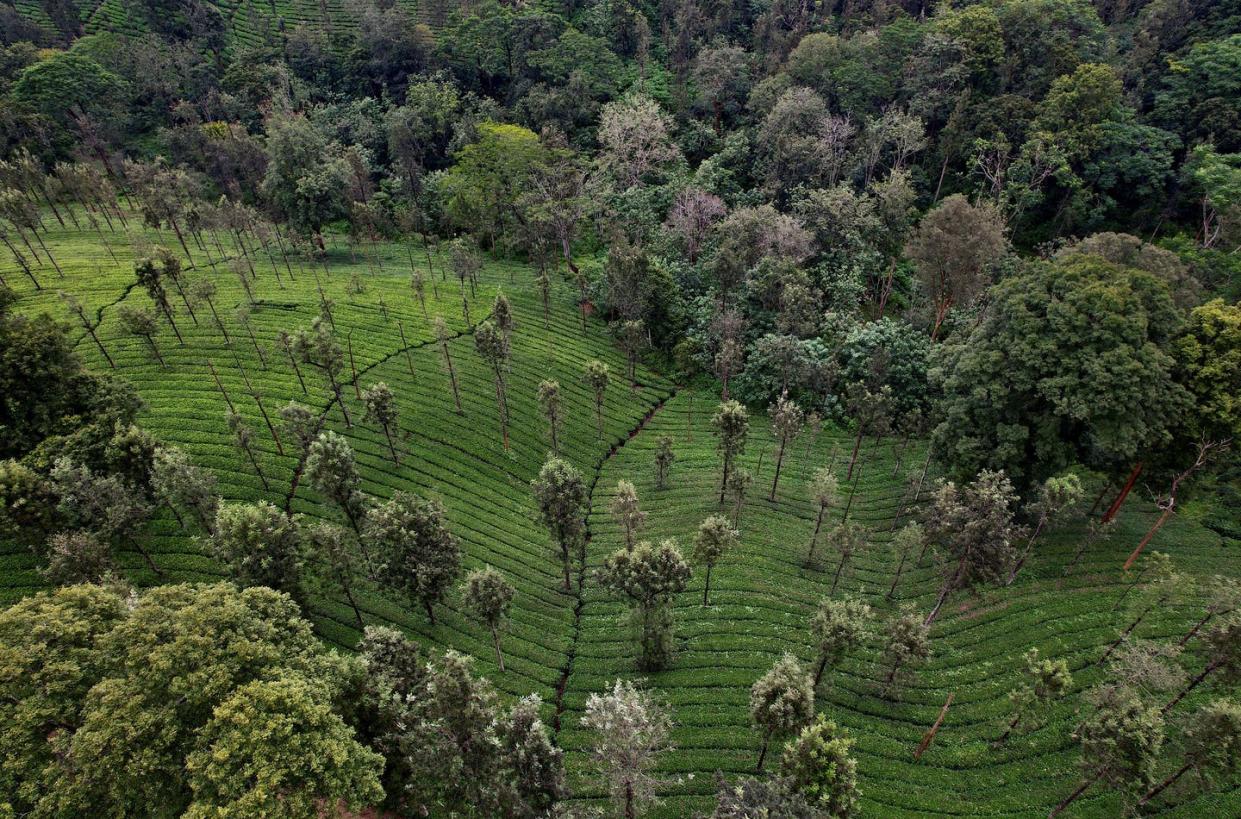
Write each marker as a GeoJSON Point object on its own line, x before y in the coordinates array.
{"type": "Point", "coordinates": [564, 646]}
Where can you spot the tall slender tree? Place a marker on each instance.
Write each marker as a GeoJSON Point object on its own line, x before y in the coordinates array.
{"type": "Point", "coordinates": [731, 424]}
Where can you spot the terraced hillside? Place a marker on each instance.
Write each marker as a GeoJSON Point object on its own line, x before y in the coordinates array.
{"type": "Point", "coordinates": [565, 646]}
{"type": "Point", "coordinates": [762, 598]}
{"type": "Point", "coordinates": [458, 458]}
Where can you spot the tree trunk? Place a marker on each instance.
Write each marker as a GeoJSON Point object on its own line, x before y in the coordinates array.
{"type": "Point", "coordinates": [1011, 727]}
{"type": "Point", "coordinates": [857, 445]}
{"type": "Point", "coordinates": [1164, 785]}
{"type": "Point", "coordinates": [1098, 500]}
{"type": "Point", "coordinates": [724, 479]}
{"type": "Point", "coordinates": [818, 672]}
{"type": "Point", "coordinates": [706, 589]}
{"type": "Point", "coordinates": [426, 603]}
{"type": "Point", "coordinates": [357, 613]}
{"type": "Point", "coordinates": [99, 344]}
{"type": "Point", "coordinates": [852, 493]}
{"type": "Point", "coordinates": [1163, 518]}
{"type": "Point", "coordinates": [779, 463]}
{"type": "Point", "coordinates": [814, 539]}
{"type": "Point", "coordinates": [839, 570]}
{"type": "Point", "coordinates": [1021, 561]}
{"type": "Point", "coordinates": [391, 446]}
{"type": "Point", "coordinates": [1124, 493]}
{"type": "Point", "coordinates": [896, 578]}
{"type": "Point", "coordinates": [1071, 798]}
{"type": "Point", "coordinates": [353, 368]}
{"type": "Point", "coordinates": [495, 643]}
{"type": "Point", "coordinates": [1128, 630]}
{"type": "Point", "coordinates": [1193, 632]}
{"type": "Point", "coordinates": [762, 754]}
{"type": "Point", "coordinates": [929, 736]}
{"type": "Point", "coordinates": [1194, 683]}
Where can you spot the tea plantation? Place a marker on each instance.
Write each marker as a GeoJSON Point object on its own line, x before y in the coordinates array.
{"type": "Point", "coordinates": [565, 646]}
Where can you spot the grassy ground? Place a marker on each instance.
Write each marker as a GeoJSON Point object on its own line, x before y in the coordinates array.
{"type": "Point", "coordinates": [762, 594]}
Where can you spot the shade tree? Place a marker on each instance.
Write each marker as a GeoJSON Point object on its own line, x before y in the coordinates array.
{"type": "Point", "coordinates": [787, 422]}
{"type": "Point", "coordinates": [781, 702]}
{"type": "Point", "coordinates": [906, 643]}
{"type": "Point", "coordinates": [1121, 744]}
{"type": "Point", "coordinates": [715, 538]}
{"type": "Point", "coordinates": [380, 404]}
{"type": "Point", "coordinates": [819, 765]}
{"type": "Point", "coordinates": [731, 425]}
{"type": "Point", "coordinates": [627, 511]}
{"type": "Point", "coordinates": [1055, 496]}
{"type": "Point", "coordinates": [629, 730]}
{"type": "Point", "coordinates": [823, 493]}
{"type": "Point", "coordinates": [334, 552]}
{"type": "Point", "coordinates": [332, 470]}
{"type": "Point", "coordinates": [975, 525]}
{"type": "Point", "coordinates": [562, 500]}
{"type": "Point", "coordinates": [415, 552]}
{"type": "Point", "coordinates": [1045, 681]}
{"type": "Point", "coordinates": [260, 546]}
{"type": "Point", "coordinates": [838, 627]}
{"type": "Point", "coordinates": [596, 378]}
{"type": "Point", "coordinates": [649, 577]}
{"type": "Point", "coordinates": [489, 596]}
{"type": "Point", "coordinates": [664, 458]}
{"type": "Point", "coordinates": [549, 402]}
{"type": "Point", "coordinates": [1212, 744]}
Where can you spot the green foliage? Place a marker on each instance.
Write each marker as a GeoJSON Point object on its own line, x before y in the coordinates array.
{"type": "Point", "coordinates": [275, 748]}
{"type": "Point", "coordinates": [413, 548]}
{"type": "Point", "coordinates": [650, 577]}
{"type": "Point", "coordinates": [781, 702]}
{"type": "Point", "coordinates": [260, 546]}
{"type": "Point", "coordinates": [819, 766]}
{"type": "Point", "coordinates": [143, 697]}
{"type": "Point", "coordinates": [1075, 362]}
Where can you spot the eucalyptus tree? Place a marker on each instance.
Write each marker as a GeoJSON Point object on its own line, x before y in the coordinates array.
{"type": "Point", "coordinates": [493, 347]}
{"type": "Point", "coordinates": [649, 576]}
{"type": "Point", "coordinates": [787, 422]}
{"type": "Point", "coordinates": [781, 702]}
{"type": "Point", "coordinates": [715, 538]}
{"type": "Point", "coordinates": [838, 627]}
{"type": "Point", "coordinates": [632, 338]}
{"type": "Point", "coordinates": [380, 404]}
{"type": "Point", "coordinates": [549, 402]}
{"type": "Point", "coordinates": [731, 425]}
{"type": "Point", "coordinates": [1045, 681]}
{"type": "Point", "coordinates": [562, 500]}
{"type": "Point", "coordinates": [664, 457]}
{"type": "Point", "coordinates": [204, 289]}
{"type": "Point", "coordinates": [627, 511]}
{"type": "Point", "coordinates": [74, 306]}
{"type": "Point", "coordinates": [596, 377]}
{"type": "Point", "coordinates": [414, 550]}
{"type": "Point", "coordinates": [332, 470]}
{"type": "Point", "coordinates": [490, 596]}
{"type": "Point", "coordinates": [629, 730]}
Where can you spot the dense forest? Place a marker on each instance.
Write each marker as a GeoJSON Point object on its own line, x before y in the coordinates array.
{"type": "Point", "coordinates": [742, 410]}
